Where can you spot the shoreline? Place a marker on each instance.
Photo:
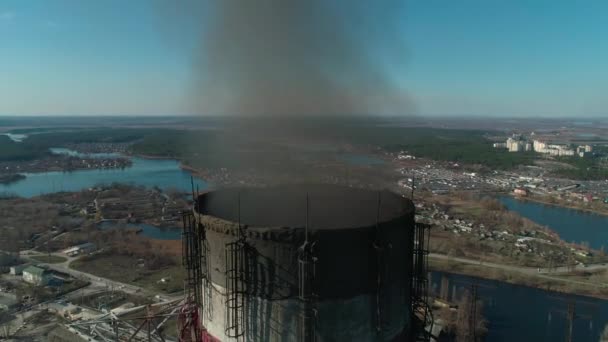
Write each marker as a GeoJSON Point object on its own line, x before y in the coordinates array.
{"type": "Point", "coordinates": [558, 205]}
{"type": "Point", "coordinates": [149, 156]}
{"type": "Point", "coordinates": [11, 178]}
{"type": "Point", "coordinates": [542, 282]}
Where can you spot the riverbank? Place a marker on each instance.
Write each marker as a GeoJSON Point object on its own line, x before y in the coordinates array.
{"type": "Point", "coordinates": [567, 205]}
{"type": "Point", "coordinates": [567, 283]}
{"type": "Point", "coordinates": [11, 178]}
{"type": "Point", "coordinates": [63, 163]}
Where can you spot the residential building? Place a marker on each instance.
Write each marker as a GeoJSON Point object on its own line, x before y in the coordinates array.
{"type": "Point", "coordinates": [515, 145]}
{"type": "Point", "coordinates": [539, 146]}
{"type": "Point", "coordinates": [520, 192]}
{"type": "Point", "coordinates": [35, 275]}
{"type": "Point", "coordinates": [84, 248]}
{"type": "Point", "coordinates": [18, 269]}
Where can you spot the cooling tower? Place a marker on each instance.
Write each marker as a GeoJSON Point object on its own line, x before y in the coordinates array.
{"type": "Point", "coordinates": [304, 263]}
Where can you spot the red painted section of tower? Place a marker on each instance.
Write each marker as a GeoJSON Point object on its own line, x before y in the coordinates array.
{"type": "Point", "coordinates": [207, 337]}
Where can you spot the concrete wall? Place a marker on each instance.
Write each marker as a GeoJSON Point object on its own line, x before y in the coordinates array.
{"type": "Point", "coordinates": [360, 271]}
{"type": "Point", "coordinates": [350, 319]}
{"type": "Point", "coordinates": [346, 281]}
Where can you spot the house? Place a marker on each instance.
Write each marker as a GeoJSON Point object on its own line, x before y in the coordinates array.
{"type": "Point", "coordinates": [35, 275]}
{"type": "Point", "coordinates": [18, 269]}
{"type": "Point", "coordinates": [84, 248]}
{"type": "Point", "coordinates": [520, 192]}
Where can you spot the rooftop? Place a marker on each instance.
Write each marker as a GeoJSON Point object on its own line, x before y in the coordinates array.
{"type": "Point", "coordinates": [34, 270]}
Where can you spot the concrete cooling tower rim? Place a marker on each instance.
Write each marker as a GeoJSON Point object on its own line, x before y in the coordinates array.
{"type": "Point", "coordinates": [330, 207]}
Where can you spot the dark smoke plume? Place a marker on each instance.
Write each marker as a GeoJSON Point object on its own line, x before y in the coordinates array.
{"type": "Point", "coordinates": [284, 58]}
{"type": "Point", "coordinates": [293, 81]}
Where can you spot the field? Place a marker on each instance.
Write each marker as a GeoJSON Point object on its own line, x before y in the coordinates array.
{"type": "Point", "coordinates": [49, 259]}
{"type": "Point", "coordinates": [129, 270]}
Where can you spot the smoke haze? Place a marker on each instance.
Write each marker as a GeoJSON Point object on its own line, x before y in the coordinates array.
{"type": "Point", "coordinates": [287, 77]}
{"type": "Point", "coordinates": [283, 58]}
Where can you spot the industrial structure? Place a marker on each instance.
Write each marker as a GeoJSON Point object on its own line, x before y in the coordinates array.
{"type": "Point", "coordinates": [304, 263]}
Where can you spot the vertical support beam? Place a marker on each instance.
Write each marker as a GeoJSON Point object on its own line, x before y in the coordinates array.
{"type": "Point", "coordinates": [571, 315]}
{"type": "Point", "coordinates": [445, 288]}
{"type": "Point", "coordinates": [306, 281]}
{"type": "Point", "coordinates": [421, 312]}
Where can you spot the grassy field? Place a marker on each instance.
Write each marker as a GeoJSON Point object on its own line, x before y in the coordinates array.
{"type": "Point", "coordinates": [49, 259]}
{"type": "Point", "coordinates": [125, 269]}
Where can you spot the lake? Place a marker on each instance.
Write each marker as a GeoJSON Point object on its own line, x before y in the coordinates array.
{"type": "Point", "coordinates": [164, 173]}
{"type": "Point", "coordinates": [519, 313]}
{"type": "Point", "coordinates": [571, 225]}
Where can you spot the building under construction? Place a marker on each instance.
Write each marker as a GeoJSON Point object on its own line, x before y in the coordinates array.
{"type": "Point", "coordinates": [304, 263]}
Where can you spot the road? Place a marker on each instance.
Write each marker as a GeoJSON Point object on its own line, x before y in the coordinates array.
{"type": "Point", "coordinates": [97, 283]}
{"type": "Point", "coordinates": [546, 273]}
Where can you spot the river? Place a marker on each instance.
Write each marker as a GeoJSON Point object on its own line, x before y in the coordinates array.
{"type": "Point", "coordinates": [164, 173]}
{"type": "Point", "coordinates": [572, 225]}
{"type": "Point", "coordinates": [519, 313]}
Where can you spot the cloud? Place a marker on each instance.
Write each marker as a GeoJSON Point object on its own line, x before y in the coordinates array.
{"type": "Point", "coordinates": [7, 15]}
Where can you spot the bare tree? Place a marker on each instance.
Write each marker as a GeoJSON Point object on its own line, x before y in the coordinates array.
{"type": "Point", "coordinates": [5, 325]}
{"type": "Point", "coordinates": [604, 336]}
{"type": "Point", "coordinates": [470, 324]}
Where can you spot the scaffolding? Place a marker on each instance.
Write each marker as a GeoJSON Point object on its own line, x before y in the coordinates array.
{"type": "Point", "coordinates": [236, 283]}
{"type": "Point", "coordinates": [142, 323]}
{"type": "Point", "coordinates": [194, 260]}
{"type": "Point", "coordinates": [379, 262]}
{"type": "Point", "coordinates": [306, 279]}
{"type": "Point", "coordinates": [422, 316]}
{"type": "Point", "coordinates": [193, 257]}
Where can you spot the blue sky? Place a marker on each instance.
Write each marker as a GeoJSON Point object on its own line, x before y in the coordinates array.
{"type": "Point", "coordinates": [465, 57]}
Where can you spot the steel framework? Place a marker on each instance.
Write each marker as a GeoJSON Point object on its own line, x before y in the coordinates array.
{"type": "Point", "coordinates": [422, 316]}
{"type": "Point", "coordinates": [306, 280]}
